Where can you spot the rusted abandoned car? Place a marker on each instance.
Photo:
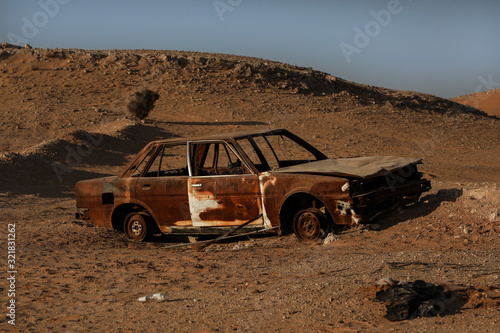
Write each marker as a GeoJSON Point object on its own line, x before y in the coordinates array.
{"type": "Point", "coordinates": [214, 184]}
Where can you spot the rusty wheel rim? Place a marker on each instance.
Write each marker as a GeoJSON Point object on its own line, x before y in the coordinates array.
{"type": "Point", "coordinates": [135, 227]}
{"type": "Point", "coordinates": [307, 227]}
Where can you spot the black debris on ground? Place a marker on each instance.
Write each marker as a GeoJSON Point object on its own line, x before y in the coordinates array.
{"type": "Point", "coordinates": [415, 299]}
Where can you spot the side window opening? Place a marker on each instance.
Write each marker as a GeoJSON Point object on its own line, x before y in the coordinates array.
{"type": "Point", "coordinates": [228, 163]}
{"type": "Point", "coordinates": [268, 152]}
{"type": "Point", "coordinates": [170, 161]}
{"type": "Point", "coordinates": [216, 159]}
{"type": "Point", "coordinates": [254, 153]}
{"type": "Point", "coordinates": [288, 152]}
{"type": "Point", "coordinates": [174, 161]}
{"type": "Point", "coordinates": [137, 170]}
{"type": "Point", "coordinates": [154, 169]}
{"type": "Point", "coordinates": [204, 156]}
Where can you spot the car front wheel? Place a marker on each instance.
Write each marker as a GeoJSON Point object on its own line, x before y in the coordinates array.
{"type": "Point", "coordinates": [136, 227]}
{"type": "Point", "coordinates": [309, 226]}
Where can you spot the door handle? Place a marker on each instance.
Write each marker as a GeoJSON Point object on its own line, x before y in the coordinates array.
{"type": "Point", "coordinates": [146, 187]}
{"type": "Point", "coordinates": [197, 185]}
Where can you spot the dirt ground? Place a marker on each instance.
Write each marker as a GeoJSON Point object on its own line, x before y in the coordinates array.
{"type": "Point", "coordinates": [72, 276]}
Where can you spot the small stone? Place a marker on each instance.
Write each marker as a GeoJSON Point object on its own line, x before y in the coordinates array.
{"type": "Point", "coordinates": [493, 216]}
{"type": "Point", "coordinates": [330, 238]}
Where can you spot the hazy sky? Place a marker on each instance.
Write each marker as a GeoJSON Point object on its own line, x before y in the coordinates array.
{"type": "Point", "coordinates": [446, 48]}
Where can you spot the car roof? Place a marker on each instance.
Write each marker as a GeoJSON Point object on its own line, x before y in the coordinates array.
{"type": "Point", "coordinates": [228, 136]}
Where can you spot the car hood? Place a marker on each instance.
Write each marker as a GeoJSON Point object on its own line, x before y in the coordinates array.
{"type": "Point", "coordinates": [364, 167]}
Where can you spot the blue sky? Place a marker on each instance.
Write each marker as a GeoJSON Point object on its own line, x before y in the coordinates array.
{"type": "Point", "coordinates": [446, 48]}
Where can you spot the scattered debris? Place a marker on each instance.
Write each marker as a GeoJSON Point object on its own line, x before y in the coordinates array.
{"type": "Point", "coordinates": [198, 247]}
{"type": "Point", "coordinates": [484, 297]}
{"type": "Point", "coordinates": [238, 246]}
{"type": "Point", "coordinates": [414, 299]}
{"type": "Point", "coordinates": [386, 281]}
{"type": "Point", "coordinates": [330, 238]}
{"type": "Point", "coordinates": [159, 297]}
{"type": "Point", "coordinates": [193, 239]}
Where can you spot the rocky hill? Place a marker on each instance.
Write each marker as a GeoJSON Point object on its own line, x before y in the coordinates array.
{"type": "Point", "coordinates": [49, 95]}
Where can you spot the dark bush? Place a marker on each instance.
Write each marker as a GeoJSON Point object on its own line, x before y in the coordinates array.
{"type": "Point", "coordinates": [142, 103]}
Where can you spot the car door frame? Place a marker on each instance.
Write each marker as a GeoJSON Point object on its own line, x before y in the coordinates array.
{"type": "Point", "coordinates": [223, 200]}
{"type": "Point", "coordinates": [163, 196]}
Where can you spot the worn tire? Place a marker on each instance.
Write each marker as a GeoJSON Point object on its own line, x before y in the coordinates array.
{"type": "Point", "coordinates": [309, 226]}
{"type": "Point", "coordinates": [138, 227]}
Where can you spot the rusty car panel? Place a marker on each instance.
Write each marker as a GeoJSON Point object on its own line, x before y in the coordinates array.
{"type": "Point", "coordinates": [209, 185]}
{"type": "Point", "coordinates": [224, 200]}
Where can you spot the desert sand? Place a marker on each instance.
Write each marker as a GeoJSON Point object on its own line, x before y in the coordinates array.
{"type": "Point", "coordinates": [487, 101]}
{"type": "Point", "coordinates": [72, 276]}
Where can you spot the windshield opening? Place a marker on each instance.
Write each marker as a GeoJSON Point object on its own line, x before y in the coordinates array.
{"type": "Point", "coordinates": [269, 152]}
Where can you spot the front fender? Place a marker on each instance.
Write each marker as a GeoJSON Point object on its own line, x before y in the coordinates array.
{"type": "Point", "coordinates": [278, 188]}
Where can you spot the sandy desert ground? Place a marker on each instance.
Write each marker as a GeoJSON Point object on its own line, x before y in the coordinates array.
{"type": "Point", "coordinates": [72, 276]}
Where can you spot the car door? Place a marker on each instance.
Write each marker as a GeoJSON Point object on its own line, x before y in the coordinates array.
{"type": "Point", "coordinates": [161, 186]}
{"type": "Point", "coordinates": [222, 190]}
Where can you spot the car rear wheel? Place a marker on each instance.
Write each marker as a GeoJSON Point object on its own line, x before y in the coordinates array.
{"type": "Point", "coordinates": [137, 227]}
{"type": "Point", "coordinates": [309, 226]}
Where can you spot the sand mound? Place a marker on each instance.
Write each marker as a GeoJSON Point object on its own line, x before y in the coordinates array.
{"type": "Point", "coordinates": [487, 101]}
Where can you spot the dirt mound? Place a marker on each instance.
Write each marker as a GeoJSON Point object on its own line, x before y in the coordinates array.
{"type": "Point", "coordinates": [51, 167]}
{"type": "Point", "coordinates": [54, 166]}
{"type": "Point", "coordinates": [487, 101]}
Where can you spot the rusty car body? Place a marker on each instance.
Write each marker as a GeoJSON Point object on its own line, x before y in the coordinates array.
{"type": "Point", "coordinates": [213, 184]}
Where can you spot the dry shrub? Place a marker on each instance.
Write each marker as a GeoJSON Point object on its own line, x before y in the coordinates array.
{"type": "Point", "coordinates": [48, 54]}
{"type": "Point", "coordinates": [142, 103]}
